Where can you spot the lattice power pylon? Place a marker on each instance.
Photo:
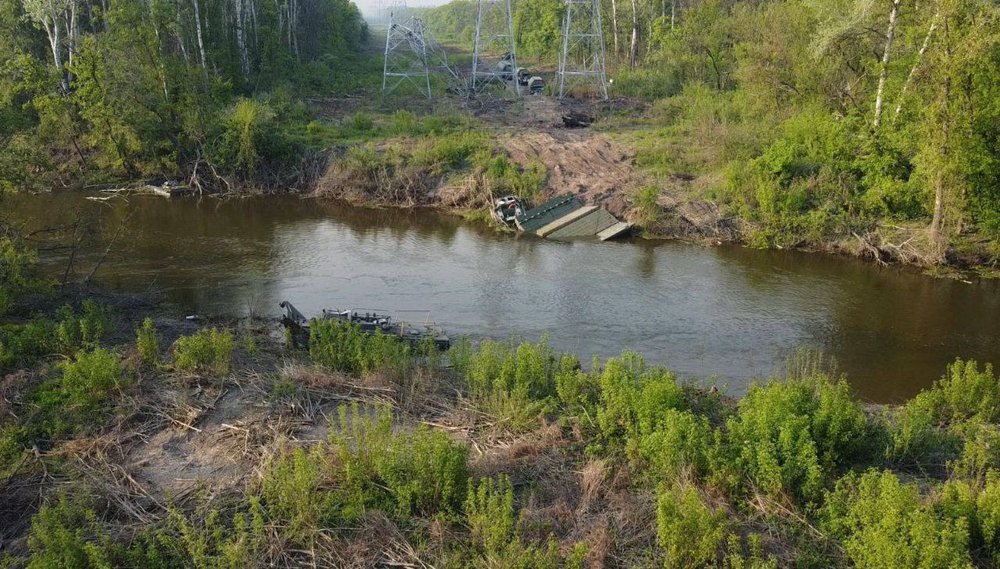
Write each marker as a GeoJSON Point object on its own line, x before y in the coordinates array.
{"type": "Point", "coordinates": [582, 59]}
{"type": "Point", "coordinates": [494, 59]}
{"type": "Point", "coordinates": [406, 56]}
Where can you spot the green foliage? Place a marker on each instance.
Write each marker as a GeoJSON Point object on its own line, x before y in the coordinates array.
{"type": "Point", "coordinates": [647, 206]}
{"type": "Point", "coordinates": [634, 398]}
{"type": "Point", "coordinates": [148, 342]}
{"type": "Point", "coordinates": [988, 516]}
{"type": "Point", "coordinates": [16, 273]}
{"type": "Point", "coordinates": [489, 511]}
{"type": "Point", "coordinates": [343, 346]}
{"type": "Point", "coordinates": [249, 140]}
{"type": "Point", "coordinates": [202, 538]}
{"type": "Point", "coordinates": [966, 392]}
{"type": "Point", "coordinates": [538, 29]}
{"type": "Point", "coordinates": [689, 530]}
{"type": "Point", "coordinates": [416, 473]}
{"type": "Point", "coordinates": [291, 488]}
{"type": "Point", "coordinates": [792, 435]}
{"type": "Point", "coordinates": [65, 534]}
{"type": "Point", "coordinates": [682, 441]}
{"type": "Point", "coordinates": [884, 523]}
{"type": "Point", "coordinates": [86, 387]}
{"type": "Point", "coordinates": [21, 345]}
{"type": "Point", "coordinates": [83, 330]}
{"type": "Point", "coordinates": [515, 381]}
{"type": "Point", "coordinates": [207, 349]}
{"type": "Point", "coordinates": [501, 176]}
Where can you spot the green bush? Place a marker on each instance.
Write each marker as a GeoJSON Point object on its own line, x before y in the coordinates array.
{"type": "Point", "coordinates": [514, 382]}
{"type": "Point", "coordinates": [207, 349]}
{"type": "Point", "coordinates": [689, 531]}
{"type": "Point", "coordinates": [885, 524]}
{"type": "Point", "coordinates": [634, 398]}
{"type": "Point", "coordinates": [342, 346]}
{"type": "Point", "coordinates": [980, 451]}
{"type": "Point", "coordinates": [936, 425]}
{"type": "Point", "coordinates": [647, 206]}
{"type": "Point", "coordinates": [67, 534]}
{"type": "Point", "coordinates": [291, 488]}
{"type": "Point", "coordinates": [203, 538]}
{"type": "Point", "coordinates": [489, 511]}
{"type": "Point", "coordinates": [683, 441]}
{"type": "Point", "coordinates": [148, 342]}
{"type": "Point", "coordinates": [87, 385]}
{"type": "Point", "coordinates": [16, 273]}
{"type": "Point", "coordinates": [988, 516]}
{"type": "Point", "coordinates": [420, 472]}
{"type": "Point", "coordinates": [965, 392]}
{"type": "Point", "coordinates": [22, 345]}
{"type": "Point", "coordinates": [83, 330]}
{"type": "Point", "coordinates": [792, 435]}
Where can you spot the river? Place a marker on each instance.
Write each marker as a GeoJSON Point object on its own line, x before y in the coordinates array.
{"type": "Point", "coordinates": [722, 315]}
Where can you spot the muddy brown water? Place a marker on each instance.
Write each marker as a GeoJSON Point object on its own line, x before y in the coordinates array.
{"type": "Point", "coordinates": [725, 315]}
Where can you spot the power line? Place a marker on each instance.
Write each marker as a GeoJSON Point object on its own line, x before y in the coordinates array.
{"type": "Point", "coordinates": [582, 58]}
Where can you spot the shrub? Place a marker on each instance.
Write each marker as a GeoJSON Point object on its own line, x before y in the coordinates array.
{"type": "Point", "coordinates": [422, 472]}
{"type": "Point", "coordinates": [86, 387]}
{"type": "Point", "coordinates": [682, 441]}
{"type": "Point", "coordinates": [489, 511]}
{"type": "Point", "coordinates": [965, 392]}
{"type": "Point", "coordinates": [647, 206]}
{"type": "Point", "coordinates": [291, 490]}
{"type": "Point", "coordinates": [21, 345]}
{"type": "Point", "coordinates": [147, 342]}
{"type": "Point", "coordinates": [988, 516]}
{"type": "Point", "coordinates": [791, 434]}
{"type": "Point", "coordinates": [66, 534]}
{"type": "Point", "coordinates": [578, 391]}
{"type": "Point", "coordinates": [207, 349]}
{"type": "Point", "coordinates": [633, 399]}
{"type": "Point", "coordinates": [75, 331]}
{"type": "Point", "coordinates": [16, 273]}
{"type": "Point", "coordinates": [203, 538]}
{"type": "Point", "coordinates": [883, 524]}
{"type": "Point", "coordinates": [514, 382]}
{"type": "Point", "coordinates": [980, 451]}
{"type": "Point", "coordinates": [689, 531]}
{"type": "Point", "coordinates": [342, 346]}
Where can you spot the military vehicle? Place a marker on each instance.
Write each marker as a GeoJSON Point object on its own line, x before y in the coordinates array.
{"type": "Point", "coordinates": [369, 322]}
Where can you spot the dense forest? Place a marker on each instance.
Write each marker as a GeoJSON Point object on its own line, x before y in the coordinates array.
{"type": "Point", "coordinates": [811, 121]}
{"type": "Point", "coordinates": [94, 90]}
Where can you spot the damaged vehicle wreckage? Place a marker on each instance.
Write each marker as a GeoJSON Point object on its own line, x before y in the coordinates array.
{"type": "Point", "coordinates": [369, 322]}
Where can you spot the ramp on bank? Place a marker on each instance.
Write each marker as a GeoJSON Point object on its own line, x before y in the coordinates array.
{"type": "Point", "coordinates": [566, 217]}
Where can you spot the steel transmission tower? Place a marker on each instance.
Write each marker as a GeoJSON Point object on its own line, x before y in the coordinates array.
{"type": "Point", "coordinates": [406, 56]}
{"type": "Point", "coordinates": [494, 59]}
{"type": "Point", "coordinates": [582, 59]}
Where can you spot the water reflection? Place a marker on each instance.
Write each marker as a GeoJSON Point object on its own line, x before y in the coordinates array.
{"type": "Point", "coordinates": [731, 312]}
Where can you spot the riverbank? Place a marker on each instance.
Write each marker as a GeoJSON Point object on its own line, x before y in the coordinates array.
{"type": "Point", "coordinates": [525, 150]}
{"type": "Point", "coordinates": [178, 442]}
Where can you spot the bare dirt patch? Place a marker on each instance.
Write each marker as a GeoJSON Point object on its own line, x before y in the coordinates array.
{"type": "Point", "coordinates": [586, 164]}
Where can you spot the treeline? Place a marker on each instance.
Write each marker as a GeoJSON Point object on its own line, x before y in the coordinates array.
{"type": "Point", "coordinates": [873, 122]}
{"type": "Point", "coordinates": [169, 88]}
